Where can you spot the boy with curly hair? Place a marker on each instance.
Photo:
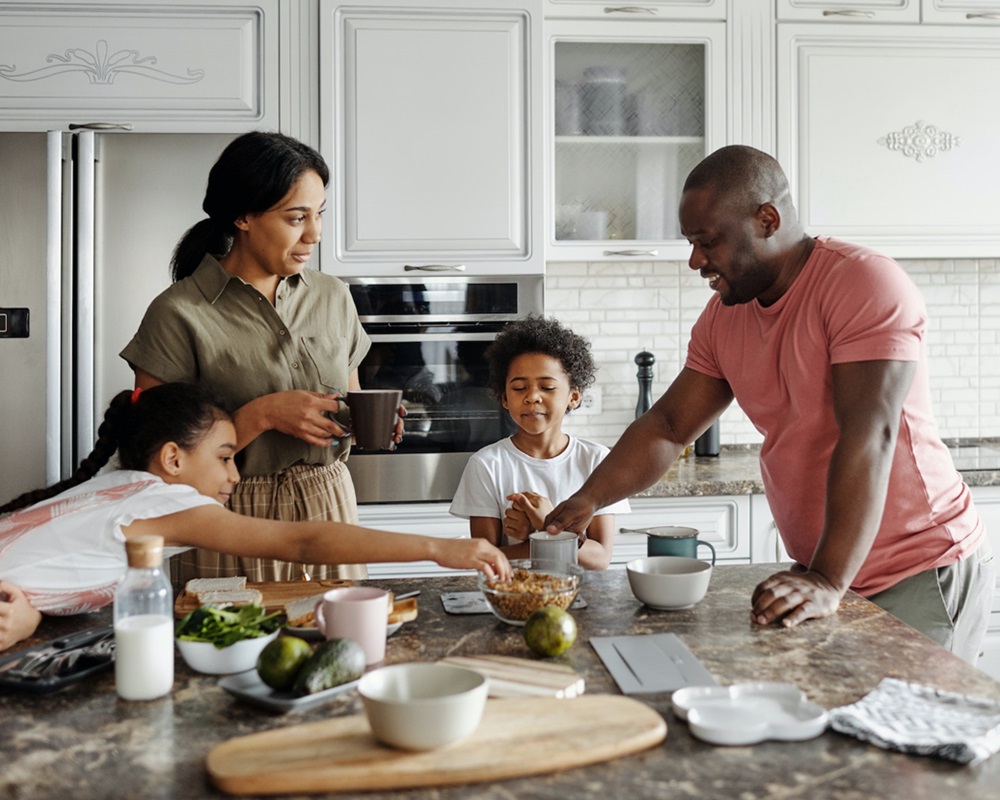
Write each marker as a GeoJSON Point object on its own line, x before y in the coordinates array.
{"type": "Point", "coordinates": [538, 371]}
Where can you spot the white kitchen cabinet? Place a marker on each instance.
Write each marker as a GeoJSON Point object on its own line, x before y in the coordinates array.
{"type": "Point", "coordinates": [428, 519]}
{"type": "Point", "coordinates": [927, 11]}
{"type": "Point", "coordinates": [766, 546]}
{"type": "Point", "coordinates": [975, 12]}
{"type": "Point", "coordinates": [723, 521]}
{"type": "Point", "coordinates": [857, 11]}
{"type": "Point", "coordinates": [631, 108]}
{"type": "Point", "coordinates": [888, 137]}
{"type": "Point", "coordinates": [644, 9]}
{"type": "Point", "coordinates": [430, 119]}
{"type": "Point", "coordinates": [987, 500]}
{"type": "Point", "coordinates": [177, 65]}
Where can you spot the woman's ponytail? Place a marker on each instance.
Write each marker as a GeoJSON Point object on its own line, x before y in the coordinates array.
{"type": "Point", "coordinates": [205, 237]}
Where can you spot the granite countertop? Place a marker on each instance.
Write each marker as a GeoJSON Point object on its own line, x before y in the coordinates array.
{"type": "Point", "coordinates": [83, 742]}
{"type": "Point", "coordinates": [736, 470]}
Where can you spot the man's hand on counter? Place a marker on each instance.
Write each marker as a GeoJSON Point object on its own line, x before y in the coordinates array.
{"type": "Point", "coordinates": [793, 596]}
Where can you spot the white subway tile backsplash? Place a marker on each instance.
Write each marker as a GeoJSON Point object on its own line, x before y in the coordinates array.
{"type": "Point", "coordinates": [623, 308]}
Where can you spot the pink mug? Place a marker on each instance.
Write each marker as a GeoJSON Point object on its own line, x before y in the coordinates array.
{"type": "Point", "coordinates": [360, 613]}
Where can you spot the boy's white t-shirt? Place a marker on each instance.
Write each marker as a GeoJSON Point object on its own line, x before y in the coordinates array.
{"type": "Point", "coordinates": [500, 469]}
{"type": "Point", "coordinates": [68, 552]}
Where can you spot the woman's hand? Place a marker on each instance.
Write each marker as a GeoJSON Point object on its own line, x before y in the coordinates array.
{"type": "Point", "coordinates": [303, 414]}
{"type": "Point", "coordinates": [526, 514]}
{"type": "Point", "coordinates": [475, 554]}
{"type": "Point", "coordinates": [397, 436]}
{"type": "Point", "coordinates": [18, 618]}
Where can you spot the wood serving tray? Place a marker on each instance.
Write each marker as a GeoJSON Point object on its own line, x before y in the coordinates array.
{"type": "Point", "coordinates": [517, 737]}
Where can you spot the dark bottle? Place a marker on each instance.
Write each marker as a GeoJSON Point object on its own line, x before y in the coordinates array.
{"type": "Point", "coordinates": [645, 361]}
{"type": "Point", "coordinates": [708, 443]}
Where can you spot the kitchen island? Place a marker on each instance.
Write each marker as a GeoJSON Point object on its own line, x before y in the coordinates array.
{"type": "Point", "coordinates": [84, 742]}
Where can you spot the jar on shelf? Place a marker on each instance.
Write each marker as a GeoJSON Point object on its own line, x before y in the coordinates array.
{"type": "Point", "coordinates": [605, 98]}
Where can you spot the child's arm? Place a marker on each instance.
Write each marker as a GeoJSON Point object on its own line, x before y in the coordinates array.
{"type": "Point", "coordinates": [18, 618]}
{"type": "Point", "coordinates": [217, 528]}
{"type": "Point", "coordinates": [596, 551]}
{"type": "Point", "coordinates": [489, 528]}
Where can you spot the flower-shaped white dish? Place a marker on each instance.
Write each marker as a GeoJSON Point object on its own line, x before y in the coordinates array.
{"type": "Point", "coordinates": [747, 713]}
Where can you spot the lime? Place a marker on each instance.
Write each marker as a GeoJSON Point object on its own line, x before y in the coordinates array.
{"type": "Point", "coordinates": [550, 631]}
{"type": "Point", "coordinates": [280, 660]}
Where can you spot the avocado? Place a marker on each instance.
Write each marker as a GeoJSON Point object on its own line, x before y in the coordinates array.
{"type": "Point", "coordinates": [332, 663]}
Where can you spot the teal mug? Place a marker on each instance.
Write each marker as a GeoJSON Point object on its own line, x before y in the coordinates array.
{"type": "Point", "coordinates": [673, 540]}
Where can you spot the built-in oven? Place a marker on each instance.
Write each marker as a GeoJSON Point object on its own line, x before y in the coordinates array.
{"type": "Point", "coordinates": [428, 336]}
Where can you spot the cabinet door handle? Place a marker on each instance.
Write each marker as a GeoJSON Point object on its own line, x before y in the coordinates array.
{"type": "Point", "coordinates": [631, 252]}
{"type": "Point", "coordinates": [434, 267]}
{"type": "Point", "coordinates": [848, 13]}
{"type": "Point", "coordinates": [630, 10]}
{"type": "Point", "coordinates": [982, 16]}
{"type": "Point", "coordinates": [100, 126]}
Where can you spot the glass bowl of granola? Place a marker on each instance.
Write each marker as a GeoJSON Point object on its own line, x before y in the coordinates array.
{"type": "Point", "coordinates": [535, 583]}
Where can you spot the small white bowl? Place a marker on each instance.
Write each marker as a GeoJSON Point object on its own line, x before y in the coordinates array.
{"type": "Point", "coordinates": [668, 583]}
{"type": "Point", "coordinates": [238, 657]}
{"type": "Point", "coordinates": [423, 706]}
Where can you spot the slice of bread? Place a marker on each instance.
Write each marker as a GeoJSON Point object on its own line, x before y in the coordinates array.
{"type": "Point", "coordinates": [199, 585]}
{"type": "Point", "coordinates": [301, 612]}
{"type": "Point", "coordinates": [231, 597]}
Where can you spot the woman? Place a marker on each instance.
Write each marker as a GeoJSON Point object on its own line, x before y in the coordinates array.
{"type": "Point", "coordinates": [276, 341]}
{"type": "Point", "coordinates": [65, 547]}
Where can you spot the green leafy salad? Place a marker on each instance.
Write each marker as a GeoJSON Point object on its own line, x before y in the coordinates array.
{"type": "Point", "coordinates": [225, 626]}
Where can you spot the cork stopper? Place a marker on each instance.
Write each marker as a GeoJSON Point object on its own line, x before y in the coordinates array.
{"type": "Point", "coordinates": [144, 552]}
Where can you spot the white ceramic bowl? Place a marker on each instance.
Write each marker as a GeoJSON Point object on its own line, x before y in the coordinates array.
{"type": "Point", "coordinates": [669, 582]}
{"type": "Point", "coordinates": [238, 657]}
{"type": "Point", "coordinates": [423, 706]}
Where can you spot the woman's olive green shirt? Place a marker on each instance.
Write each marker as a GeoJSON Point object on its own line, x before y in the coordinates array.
{"type": "Point", "coordinates": [217, 329]}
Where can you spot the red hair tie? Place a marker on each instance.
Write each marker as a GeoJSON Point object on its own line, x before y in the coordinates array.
{"type": "Point", "coordinates": [135, 395]}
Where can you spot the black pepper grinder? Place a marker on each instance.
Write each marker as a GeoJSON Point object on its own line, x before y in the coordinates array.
{"type": "Point", "coordinates": [645, 361]}
{"type": "Point", "coordinates": [708, 443]}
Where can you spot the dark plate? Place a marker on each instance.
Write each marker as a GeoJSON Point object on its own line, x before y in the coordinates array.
{"type": "Point", "coordinates": [82, 668]}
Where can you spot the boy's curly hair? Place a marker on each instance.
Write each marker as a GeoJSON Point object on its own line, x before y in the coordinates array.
{"type": "Point", "coordinates": [536, 334]}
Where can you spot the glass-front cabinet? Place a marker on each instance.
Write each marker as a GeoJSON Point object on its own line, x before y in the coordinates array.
{"type": "Point", "coordinates": [631, 108]}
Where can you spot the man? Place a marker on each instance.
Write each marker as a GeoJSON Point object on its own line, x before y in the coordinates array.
{"type": "Point", "coordinates": [821, 343]}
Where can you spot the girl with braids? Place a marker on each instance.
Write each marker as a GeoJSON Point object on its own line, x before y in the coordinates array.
{"type": "Point", "coordinates": [65, 546]}
{"type": "Point", "coordinates": [273, 339]}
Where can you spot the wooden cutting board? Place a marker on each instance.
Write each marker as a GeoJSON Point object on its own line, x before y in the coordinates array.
{"type": "Point", "coordinates": [276, 594]}
{"type": "Point", "coordinates": [518, 677]}
{"type": "Point", "coordinates": [517, 737]}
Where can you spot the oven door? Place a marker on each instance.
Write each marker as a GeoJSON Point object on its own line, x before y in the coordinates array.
{"type": "Point", "coordinates": [429, 336]}
{"type": "Point", "coordinates": [450, 412]}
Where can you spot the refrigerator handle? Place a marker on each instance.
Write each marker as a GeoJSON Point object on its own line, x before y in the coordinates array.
{"type": "Point", "coordinates": [84, 251]}
{"type": "Point", "coordinates": [53, 308]}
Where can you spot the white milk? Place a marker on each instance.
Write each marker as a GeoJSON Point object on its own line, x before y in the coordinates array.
{"type": "Point", "coordinates": [144, 656]}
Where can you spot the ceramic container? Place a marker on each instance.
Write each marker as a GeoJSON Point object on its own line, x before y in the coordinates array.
{"type": "Point", "coordinates": [238, 657]}
{"type": "Point", "coordinates": [423, 706]}
{"type": "Point", "coordinates": [669, 582]}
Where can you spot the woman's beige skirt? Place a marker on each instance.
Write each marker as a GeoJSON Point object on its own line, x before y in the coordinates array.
{"type": "Point", "coordinates": [292, 495]}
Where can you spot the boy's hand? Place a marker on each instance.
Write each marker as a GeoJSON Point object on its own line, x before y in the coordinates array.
{"type": "Point", "coordinates": [526, 515]}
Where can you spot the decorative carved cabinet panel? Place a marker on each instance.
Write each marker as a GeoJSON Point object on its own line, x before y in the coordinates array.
{"type": "Point", "coordinates": [176, 66]}
{"type": "Point", "coordinates": [890, 135]}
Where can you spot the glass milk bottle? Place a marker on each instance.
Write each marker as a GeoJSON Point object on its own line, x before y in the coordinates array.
{"type": "Point", "coordinates": [144, 628]}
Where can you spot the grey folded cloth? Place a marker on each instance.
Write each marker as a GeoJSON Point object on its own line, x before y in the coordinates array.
{"type": "Point", "coordinates": [922, 720]}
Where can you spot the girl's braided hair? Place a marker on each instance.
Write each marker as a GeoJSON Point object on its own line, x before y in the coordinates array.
{"type": "Point", "coordinates": [171, 412]}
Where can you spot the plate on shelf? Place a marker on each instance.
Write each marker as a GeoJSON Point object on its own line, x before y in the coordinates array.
{"type": "Point", "coordinates": [248, 686]}
{"type": "Point", "coordinates": [747, 713]}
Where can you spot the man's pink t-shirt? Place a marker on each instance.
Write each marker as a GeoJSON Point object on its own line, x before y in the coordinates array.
{"type": "Point", "coordinates": [848, 304]}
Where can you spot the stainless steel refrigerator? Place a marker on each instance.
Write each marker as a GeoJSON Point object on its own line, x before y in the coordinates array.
{"type": "Point", "coordinates": [88, 221]}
